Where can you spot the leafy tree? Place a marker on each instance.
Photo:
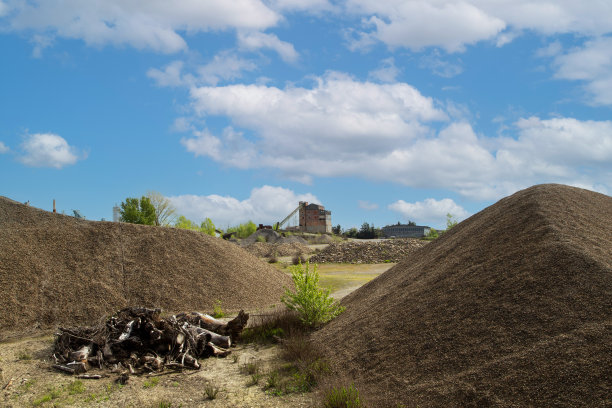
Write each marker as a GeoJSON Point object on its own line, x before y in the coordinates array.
{"type": "Point", "coordinates": [183, 223]}
{"type": "Point", "coordinates": [164, 210]}
{"type": "Point", "coordinates": [432, 234]}
{"type": "Point", "coordinates": [450, 221]}
{"type": "Point", "coordinates": [368, 231]}
{"type": "Point", "coordinates": [137, 211]}
{"type": "Point", "coordinates": [351, 233]}
{"type": "Point", "coordinates": [208, 227]}
{"type": "Point", "coordinates": [243, 230]}
{"type": "Point", "coordinates": [412, 223]}
{"type": "Point", "coordinates": [336, 230]}
{"type": "Point", "coordinates": [313, 304]}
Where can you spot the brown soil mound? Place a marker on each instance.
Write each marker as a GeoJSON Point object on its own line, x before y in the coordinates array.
{"type": "Point", "coordinates": [357, 252]}
{"type": "Point", "coordinates": [512, 307]}
{"type": "Point", "coordinates": [58, 270]}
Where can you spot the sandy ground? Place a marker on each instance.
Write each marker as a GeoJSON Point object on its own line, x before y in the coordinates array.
{"type": "Point", "coordinates": [25, 365]}
{"type": "Point", "coordinates": [26, 378]}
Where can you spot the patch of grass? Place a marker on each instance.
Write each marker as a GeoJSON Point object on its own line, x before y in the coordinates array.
{"type": "Point", "coordinates": [217, 310]}
{"type": "Point", "coordinates": [342, 397]}
{"type": "Point", "coordinates": [273, 380]}
{"type": "Point", "coordinates": [252, 367]}
{"type": "Point", "coordinates": [211, 391]}
{"type": "Point", "coordinates": [52, 394]}
{"type": "Point", "coordinates": [76, 387]}
{"type": "Point", "coordinates": [165, 404]}
{"type": "Point", "coordinates": [254, 379]}
{"type": "Point", "coordinates": [235, 357]}
{"type": "Point", "coordinates": [151, 383]}
{"type": "Point", "coordinates": [174, 384]}
{"type": "Point", "coordinates": [24, 355]}
{"type": "Point", "coordinates": [260, 238]}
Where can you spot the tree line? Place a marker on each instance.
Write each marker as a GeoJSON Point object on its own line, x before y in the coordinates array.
{"type": "Point", "coordinates": [155, 209]}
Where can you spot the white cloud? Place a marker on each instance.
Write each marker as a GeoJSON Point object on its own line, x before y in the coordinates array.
{"type": "Point", "coordinates": [266, 205]}
{"type": "Point", "coordinates": [591, 63]}
{"type": "Point", "coordinates": [225, 66]}
{"type": "Point", "coordinates": [387, 72]}
{"type": "Point", "coordinates": [151, 24]}
{"type": "Point", "coordinates": [3, 148]}
{"type": "Point", "coordinates": [4, 8]}
{"type": "Point", "coordinates": [342, 127]}
{"type": "Point", "coordinates": [439, 66]}
{"type": "Point", "coordinates": [257, 40]}
{"type": "Point", "coordinates": [429, 211]}
{"type": "Point", "coordinates": [454, 24]}
{"type": "Point", "coordinates": [314, 6]}
{"type": "Point", "coordinates": [48, 150]}
{"type": "Point", "coordinates": [366, 205]}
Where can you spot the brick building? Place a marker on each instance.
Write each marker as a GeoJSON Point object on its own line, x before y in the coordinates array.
{"type": "Point", "coordinates": [314, 218]}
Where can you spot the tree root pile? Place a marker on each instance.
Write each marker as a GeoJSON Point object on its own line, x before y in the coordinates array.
{"type": "Point", "coordinates": [138, 340]}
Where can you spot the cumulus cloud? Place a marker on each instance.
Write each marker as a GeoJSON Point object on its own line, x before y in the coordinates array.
{"type": "Point", "coordinates": [591, 64]}
{"type": "Point", "coordinates": [343, 127]}
{"type": "Point", "coordinates": [429, 211]}
{"type": "Point", "coordinates": [387, 72]}
{"type": "Point", "coordinates": [454, 24]}
{"type": "Point", "coordinates": [440, 66]}
{"type": "Point", "coordinates": [265, 205]}
{"type": "Point", "coordinates": [257, 40]}
{"type": "Point", "coordinates": [313, 6]}
{"type": "Point", "coordinates": [153, 24]}
{"type": "Point", "coordinates": [366, 205]}
{"type": "Point", "coordinates": [3, 148]}
{"type": "Point", "coordinates": [48, 150]}
{"type": "Point", "coordinates": [225, 66]}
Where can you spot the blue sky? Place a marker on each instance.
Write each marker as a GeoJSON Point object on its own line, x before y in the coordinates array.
{"type": "Point", "coordinates": [381, 111]}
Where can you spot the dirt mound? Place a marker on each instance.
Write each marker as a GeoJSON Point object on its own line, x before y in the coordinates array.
{"type": "Point", "coordinates": [58, 270]}
{"type": "Point", "coordinates": [368, 252]}
{"type": "Point", "coordinates": [263, 249]}
{"type": "Point", "coordinates": [512, 307]}
{"type": "Point", "coordinates": [262, 235]}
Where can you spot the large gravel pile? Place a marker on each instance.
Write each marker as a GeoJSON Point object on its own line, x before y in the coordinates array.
{"type": "Point", "coordinates": [58, 270]}
{"type": "Point", "coordinates": [263, 249]}
{"type": "Point", "coordinates": [511, 308]}
{"type": "Point", "coordinates": [368, 251]}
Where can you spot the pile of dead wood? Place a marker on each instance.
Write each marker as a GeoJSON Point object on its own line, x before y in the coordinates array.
{"type": "Point", "coordinates": [138, 340]}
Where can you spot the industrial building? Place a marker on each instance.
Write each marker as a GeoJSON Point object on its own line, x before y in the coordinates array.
{"type": "Point", "coordinates": [312, 218]}
{"type": "Point", "coordinates": [405, 231]}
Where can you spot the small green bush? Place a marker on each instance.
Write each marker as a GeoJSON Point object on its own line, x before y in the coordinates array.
{"type": "Point", "coordinates": [76, 387]}
{"type": "Point", "coordinates": [342, 397]}
{"type": "Point", "coordinates": [211, 391]}
{"type": "Point", "coordinates": [217, 310]}
{"type": "Point", "coordinates": [313, 304]}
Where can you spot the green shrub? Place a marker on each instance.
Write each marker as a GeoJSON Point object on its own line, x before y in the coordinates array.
{"type": "Point", "coordinates": [211, 391]}
{"type": "Point", "coordinates": [217, 310]}
{"type": "Point", "coordinates": [342, 397]}
{"type": "Point", "coordinates": [313, 304]}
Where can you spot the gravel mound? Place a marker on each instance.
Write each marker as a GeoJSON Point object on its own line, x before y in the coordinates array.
{"type": "Point", "coordinates": [512, 307]}
{"type": "Point", "coordinates": [368, 252]}
{"type": "Point", "coordinates": [58, 270]}
{"type": "Point", "coordinates": [264, 250]}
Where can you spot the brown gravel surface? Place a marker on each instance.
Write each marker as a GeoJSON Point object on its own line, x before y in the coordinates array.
{"type": "Point", "coordinates": [511, 308]}
{"type": "Point", "coordinates": [368, 251]}
{"type": "Point", "coordinates": [58, 270]}
{"type": "Point", "coordinates": [263, 249]}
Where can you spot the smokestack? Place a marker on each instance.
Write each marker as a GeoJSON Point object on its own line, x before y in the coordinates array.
{"type": "Point", "coordinates": [54, 210]}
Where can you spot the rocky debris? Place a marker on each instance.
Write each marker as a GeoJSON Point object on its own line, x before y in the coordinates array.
{"type": "Point", "coordinates": [357, 252]}
{"type": "Point", "coordinates": [265, 250]}
{"type": "Point", "coordinates": [138, 340]}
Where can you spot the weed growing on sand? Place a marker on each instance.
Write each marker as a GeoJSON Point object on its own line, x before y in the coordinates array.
{"type": "Point", "coordinates": [342, 397]}
{"type": "Point", "coordinates": [150, 383]}
{"type": "Point", "coordinates": [24, 355]}
{"type": "Point", "coordinates": [211, 391]}
{"type": "Point", "coordinates": [165, 404]}
{"type": "Point", "coordinates": [76, 387]}
{"type": "Point", "coordinates": [217, 310]}
{"type": "Point", "coordinates": [53, 393]}
{"type": "Point", "coordinates": [313, 304]}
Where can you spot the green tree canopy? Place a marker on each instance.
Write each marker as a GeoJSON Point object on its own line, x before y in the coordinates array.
{"type": "Point", "coordinates": [137, 211]}
{"type": "Point", "coordinates": [207, 226]}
